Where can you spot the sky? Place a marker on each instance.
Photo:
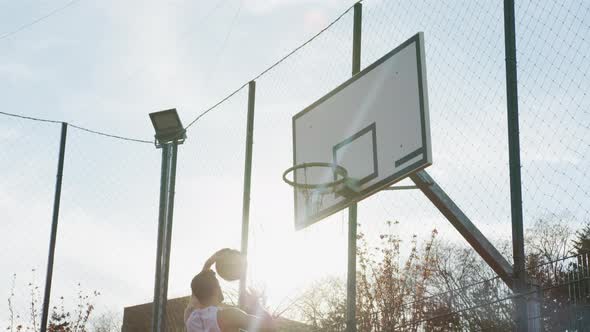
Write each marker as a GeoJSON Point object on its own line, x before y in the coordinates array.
{"type": "Point", "coordinates": [106, 65]}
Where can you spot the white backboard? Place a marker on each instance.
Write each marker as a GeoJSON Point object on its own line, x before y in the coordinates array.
{"type": "Point", "coordinates": [375, 125]}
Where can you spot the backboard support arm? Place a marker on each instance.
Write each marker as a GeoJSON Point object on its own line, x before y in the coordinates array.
{"type": "Point", "coordinates": [466, 228]}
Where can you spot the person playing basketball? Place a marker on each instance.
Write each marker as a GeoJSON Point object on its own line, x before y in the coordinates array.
{"type": "Point", "coordinates": [204, 313]}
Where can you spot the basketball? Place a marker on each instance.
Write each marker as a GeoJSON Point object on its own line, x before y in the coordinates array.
{"type": "Point", "coordinates": [230, 265]}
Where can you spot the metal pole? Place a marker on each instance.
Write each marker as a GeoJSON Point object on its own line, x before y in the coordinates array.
{"type": "Point", "coordinates": [514, 161]}
{"type": "Point", "coordinates": [247, 181]}
{"type": "Point", "coordinates": [161, 233]}
{"type": "Point", "coordinates": [356, 38]}
{"type": "Point", "coordinates": [352, 210]}
{"type": "Point", "coordinates": [168, 238]}
{"type": "Point", "coordinates": [439, 198]}
{"type": "Point", "coordinates": [351, 278]}
{"type": "Point", "coordinates": [53, 238]}
{"type": "Point", "coordinates": [401, 188]}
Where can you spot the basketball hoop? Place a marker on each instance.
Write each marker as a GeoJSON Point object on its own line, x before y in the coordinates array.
{"type": "Point", "coordinates": [314, 193]}
{"type": "Point", "coordinates": [337, 170]}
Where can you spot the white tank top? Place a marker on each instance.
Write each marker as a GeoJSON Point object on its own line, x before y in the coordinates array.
{"type": "Point", "coordinates": [203, 320]}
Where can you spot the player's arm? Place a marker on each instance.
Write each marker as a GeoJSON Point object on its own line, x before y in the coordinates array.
{"type": "Point", "coordinates": [252, 306]}
{"type": "Point", "coordinates": [213, 259]}
{"type": "Point", "coordinates": [234, 318]}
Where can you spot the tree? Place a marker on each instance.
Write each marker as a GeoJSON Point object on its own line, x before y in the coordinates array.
{"type": "Point", "coordinates": [323, 305]}
{"type": "Point", "coordinates": [582, 242]}
{"type": "Point", "coordinates": [466, 293]}
{"type": "Point", "coordinates": [442, 286]}
{"type": "Point", "coordinates": [550, 242]}
{"type": "Point", "coordinates": [60, 318]}
{"type": "Point", "coordinates": [107, 322]}
{"type": "Point", "coordinates": [386, 285]}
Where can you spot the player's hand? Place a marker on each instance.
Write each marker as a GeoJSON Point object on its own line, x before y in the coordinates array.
{"type": "Point", "coordinates": [251, 301]}
{"type": "Point", "coordinates": [218, 254]}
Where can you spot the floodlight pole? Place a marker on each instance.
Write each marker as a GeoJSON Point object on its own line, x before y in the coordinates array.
{"type": "Point", "coordinates": [247, 182]}
{"type": "Point", "coordinates": [167, 185]}
{"type": "Point", "coordinates": [168, 243]}
{"type": "Point", "coordinates": [352, 209]}
{"type": "Point", "coordinates": [53, 238]}
{"type": "Point", "coordinates": [521, 312]}
{"type": "Point", "coordinates": [161, 224]}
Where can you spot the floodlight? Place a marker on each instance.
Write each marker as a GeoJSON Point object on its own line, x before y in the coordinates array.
{"type": "Point", "coordinates": [169, 133]}
{"type": "Point", "coordinates": [168, 127]}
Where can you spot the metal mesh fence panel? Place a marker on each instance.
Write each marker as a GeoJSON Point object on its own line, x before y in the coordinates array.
{"type": "Point", "coordinates": [465, 68]}
{"type": "Point", "coordinates": [276, 252]}
{"type": "Point", "coordinates": [28, 167]}
{"type": "Point", "coordinates": [107, 230]}
{"type": "Point", "coordinates": [208, 204]}
{"type": "Point", "coordinates": [553, 41]}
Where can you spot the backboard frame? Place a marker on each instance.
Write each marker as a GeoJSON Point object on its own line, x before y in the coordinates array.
{"type": "Point", "coordinates": [425, 149]}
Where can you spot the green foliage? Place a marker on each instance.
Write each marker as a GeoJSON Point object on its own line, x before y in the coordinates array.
{"type": "Point", "coordinates": [582, 242]}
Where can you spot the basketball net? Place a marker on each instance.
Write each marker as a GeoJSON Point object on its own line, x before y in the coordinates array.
{"type": "Point", "coordinates": [314, 197]}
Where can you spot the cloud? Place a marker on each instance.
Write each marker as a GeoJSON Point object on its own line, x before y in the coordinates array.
{"type": "Point", "coordinates": [315, 20]}
{"type": "Point", "coordinates": [15, 71]}
{"type": "Point", "coordinates": [151, 55]}
{"type": "Point", "coordinates": [9, 134]}
{"type": "Point", "coordinates": [265, 6]}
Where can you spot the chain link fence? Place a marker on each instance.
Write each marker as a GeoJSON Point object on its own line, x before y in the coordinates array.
{"type": "Point", "coordinates": [28, 179]}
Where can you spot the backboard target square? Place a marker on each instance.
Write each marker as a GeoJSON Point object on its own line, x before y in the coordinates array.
{"type": "Point", "coordinates": [358, 155]}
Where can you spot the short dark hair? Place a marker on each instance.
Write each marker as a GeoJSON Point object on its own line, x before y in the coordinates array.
{"type": "Point", "coordinates": [204, 285]}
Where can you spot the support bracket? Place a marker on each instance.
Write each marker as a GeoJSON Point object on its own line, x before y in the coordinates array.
{"type": "Point", "coordinates": [465, 227]}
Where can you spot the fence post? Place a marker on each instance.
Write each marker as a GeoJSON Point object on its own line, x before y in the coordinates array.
{"type": "Point", "coordinates": [351, 276]}
{"type": "Point", "coordinates": [520, 282]}
{"type": "Point", "coordinates": [352, 210]}
{"type": "Point", "coordinates": [247, 181]}
{"type": "Point", "coordinates": [53, 238]}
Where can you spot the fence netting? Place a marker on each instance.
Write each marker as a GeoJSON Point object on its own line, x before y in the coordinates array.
{"type": "Point", "coordinates": [28, 167]}
{"type": "Point", "coordinates": [106, 242]}
{"type": "Point", "coordinates": [552, 50]}
{"type": "Point", "coordinates": [276, 251]}
{"type": "Point", "coordinates": [208, 203]}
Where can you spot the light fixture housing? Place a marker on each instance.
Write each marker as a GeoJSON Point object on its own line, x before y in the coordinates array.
{"type": "Point", "coordinates": [168, 127]}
